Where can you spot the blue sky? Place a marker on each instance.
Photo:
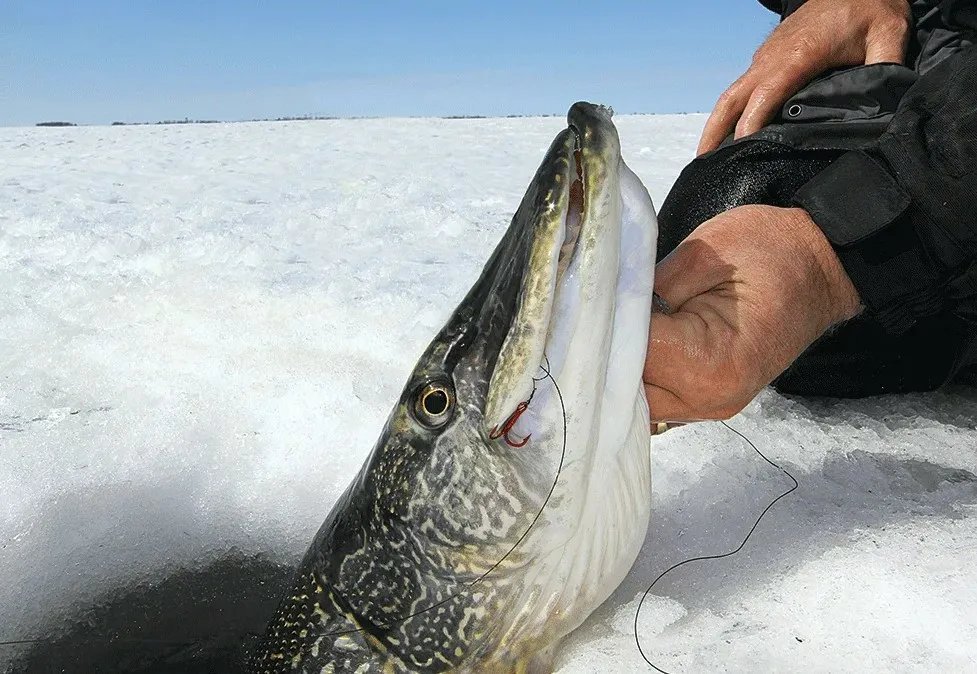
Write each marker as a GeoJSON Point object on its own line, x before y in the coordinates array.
{"type": "Point", "coordinates": [97, 61]}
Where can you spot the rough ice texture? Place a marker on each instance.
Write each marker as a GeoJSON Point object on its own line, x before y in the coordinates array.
{"type": "Point", "coordinates": [202, 329]}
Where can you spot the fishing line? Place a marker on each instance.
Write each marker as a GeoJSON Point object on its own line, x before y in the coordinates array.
{"type": "Point", "coordinates": [536, 380]}
{"type": "Point", "coordinates": [637, 613]}
{"type": "Point", "coordinates": [556, 479]}
{"type": "Point", "coordinates": [507, 425]}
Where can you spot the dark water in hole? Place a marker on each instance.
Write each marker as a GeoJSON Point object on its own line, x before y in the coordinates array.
{"type": "Point", "coordinates": [191, 622]}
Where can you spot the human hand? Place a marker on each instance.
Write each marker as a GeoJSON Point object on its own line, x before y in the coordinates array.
{"type": "Point", "coordinates": [821, 35]}
{"type": "Point", "coordinates": [750, 290]}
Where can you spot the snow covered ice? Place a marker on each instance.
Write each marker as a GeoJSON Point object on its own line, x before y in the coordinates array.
{"type": "Point", "coordinates": [202, 329]}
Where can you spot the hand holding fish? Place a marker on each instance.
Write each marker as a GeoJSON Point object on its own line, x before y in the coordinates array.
{"type": "Point", "coordinates": [820, 35]}
{"type": "Point", "coordinates": [750, 290]}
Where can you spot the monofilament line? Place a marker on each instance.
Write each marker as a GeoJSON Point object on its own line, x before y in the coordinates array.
{"type": "Point", "coordinates": [394, 621]}
{"type": "Point", "coordinates": [702, 558]}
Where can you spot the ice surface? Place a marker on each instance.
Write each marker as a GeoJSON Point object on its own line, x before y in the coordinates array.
{"type": "Point", "coordinates": [202, 329]}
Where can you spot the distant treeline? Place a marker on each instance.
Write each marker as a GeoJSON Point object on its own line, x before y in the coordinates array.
{"type": "Point", "coordinates": [187, 120]}
{"type": "Point", "coordinates": [306, 118]}
{"type": "Point", "coordinates": [490, 116]}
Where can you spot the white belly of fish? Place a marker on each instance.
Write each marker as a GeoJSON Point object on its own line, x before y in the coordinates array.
{"type": "Point", "coordinates": [594, 524]}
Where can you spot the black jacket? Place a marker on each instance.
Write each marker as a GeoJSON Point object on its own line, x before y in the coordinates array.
{"type": "Point", "coordinates": [883, 157]}
{"type": "Point", "coordinates": [900, 208]}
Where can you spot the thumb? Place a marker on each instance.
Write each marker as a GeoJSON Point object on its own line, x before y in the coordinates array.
{"type": "Point", "coordinates": [667, 375]}
{"type": "Point", "coordinates": [885, 45]}
{"type": "Point", "coordinates": [692, 268]}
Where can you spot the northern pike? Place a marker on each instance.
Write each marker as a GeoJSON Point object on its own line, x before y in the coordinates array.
{"type": "Point", "coordinates": [509, 491]}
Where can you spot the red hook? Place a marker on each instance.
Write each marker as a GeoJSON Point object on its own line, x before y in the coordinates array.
{"type": "Point", "coordinates": [503, 432]}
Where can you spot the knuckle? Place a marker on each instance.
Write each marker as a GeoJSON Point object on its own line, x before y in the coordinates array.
{"type": "Point", "coordinates": [728, 98]}
{"type": "Point", "coordinates": [767, 51]}
{"type": "Point", "coordinates": [891, 28]}
{"type": "Point", "coordinates": [766, 89]}
{"type": "Point", "coordinates": [806, 47]}
{"type": "Point", "coordinates": [896, 13]}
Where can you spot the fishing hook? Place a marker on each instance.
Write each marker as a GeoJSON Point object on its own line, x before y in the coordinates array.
{"type": "Point", "coordinates": [507, 425]}
{"type": "Point", "coordinates": [503, 432]}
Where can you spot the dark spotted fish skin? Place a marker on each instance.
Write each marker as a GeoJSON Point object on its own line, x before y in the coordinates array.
{"type": "Point", "coordinates": [421, 565]}
{"type": "Point", "coordinates": [389, 583]}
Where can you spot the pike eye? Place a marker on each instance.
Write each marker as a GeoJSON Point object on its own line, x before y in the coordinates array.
{"type": "Point", "coordinates": [433, 404]}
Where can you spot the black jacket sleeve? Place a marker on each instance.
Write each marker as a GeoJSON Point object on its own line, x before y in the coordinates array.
{"type": "Point", "coordinates": [902, 212]}
{"type": "Point", "coordinates": [783, 7]}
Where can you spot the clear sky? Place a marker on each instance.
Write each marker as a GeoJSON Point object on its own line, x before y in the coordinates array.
{"type": "Point", "coordinates": [97, 61]}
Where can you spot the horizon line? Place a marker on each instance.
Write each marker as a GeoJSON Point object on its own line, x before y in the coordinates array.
{"type": "Point", "coordinates": [64, 123]}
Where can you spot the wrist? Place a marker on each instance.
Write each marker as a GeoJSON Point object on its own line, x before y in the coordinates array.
{"type": "Point", "coordinates": [840, 299]}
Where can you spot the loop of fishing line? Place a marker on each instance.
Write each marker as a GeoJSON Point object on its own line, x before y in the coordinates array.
{"type": "Point", "coordinates": [532, 524]}
{"type": "Point", "coordinates": [701, 558]}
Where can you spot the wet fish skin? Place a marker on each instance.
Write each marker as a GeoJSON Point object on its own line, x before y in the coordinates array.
{"type": "Point", "coordinates": [452, 549]}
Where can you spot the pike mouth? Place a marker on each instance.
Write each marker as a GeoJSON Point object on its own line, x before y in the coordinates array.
{"type": "Point", "coordinates": [575, 211]}
{"type": "Point", "coordinates": [556, 276]}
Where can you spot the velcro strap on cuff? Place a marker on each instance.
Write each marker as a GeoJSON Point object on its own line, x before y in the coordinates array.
{"type": "Point", "coordinates": [866, 216]}
{"type": "Point", "coordinates": [852, 199]}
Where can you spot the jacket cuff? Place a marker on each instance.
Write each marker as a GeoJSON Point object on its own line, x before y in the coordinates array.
{"type": "Point", "coordinates": [791, 6]}
{"type": "Point", "coordinates": [783, 7]}
{"type": "Point", "coordinates": [773, 5]}
{"type": "Point", "coordinates": [868, 219]}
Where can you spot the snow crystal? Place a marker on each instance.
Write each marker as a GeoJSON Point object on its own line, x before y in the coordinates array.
{"type": "Point", "coordinates": [203, 328]}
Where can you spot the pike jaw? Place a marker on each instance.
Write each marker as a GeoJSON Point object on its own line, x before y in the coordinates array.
{"type": "Point", "coordinates": [509, 492]}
